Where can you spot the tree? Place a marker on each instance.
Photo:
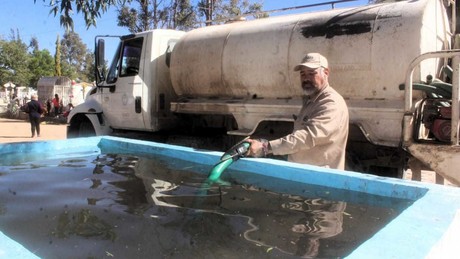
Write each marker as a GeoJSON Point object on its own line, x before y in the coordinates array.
{"type": "Point", "coordinates": [91, 10]}
{"type": "Point", "coordinates": [182, 15]}
{"type": "Point", "coordinates": [73, 59]}
{"type": "Point", "coordinates": [238, 8]}
{"type": "Point", "coordinates": [22, 67]}
{"type": "Point", "coordinates": [159, 14]}
{"type": "Point", "coordinates": [221, 11]}
{"type": "Point", "coordinates": [73, 54]}
{"type": "Point", "coordinates": [89, 68]}
{"type": "Point", "coordinates": [13, 60]}
{"type": "Point", "coordinates": [206, 8]}
{"type": "Point", "coordinates": [57, 58]}
{"type": "Point", "coordinates": [142, 19]}
{"type": "Point", "coordinates": [156, 14]}
{"type": "Point", "coordinates": [41, 64]}
{"type": "Point", "coordinates": [34, 44]}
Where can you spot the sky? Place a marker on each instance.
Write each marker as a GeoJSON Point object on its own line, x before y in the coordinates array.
{"type": "Point", "coordinates": [34, 20]}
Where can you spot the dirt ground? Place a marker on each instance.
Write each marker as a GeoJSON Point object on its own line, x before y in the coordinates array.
{"type": "Point", "coordinates": [19, 131]}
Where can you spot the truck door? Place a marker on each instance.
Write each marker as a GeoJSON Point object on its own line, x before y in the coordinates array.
{"type": "Point", "coordinates": [123, 103]}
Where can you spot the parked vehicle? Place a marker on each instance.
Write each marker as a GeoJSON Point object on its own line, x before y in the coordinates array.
{"type": "Point", "coordinates": [239, 78]}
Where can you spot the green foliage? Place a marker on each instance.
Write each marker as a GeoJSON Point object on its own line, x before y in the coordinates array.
{"type": "Point", "coordinates": [14, 60]}
{"type": "Point", "coordinates": [157, 14]}
{"type": "Point", "coordinates": [91, 10]}
{"type": "Point", "coordinates": [142, 15]}
{"type": "Point", "coordinates": [25, 64]}
{"type": "Point", "coordinates": [127, 17]}
{"type": "Point", "coordinates": [41, 64]}
{"type": "Point", "coordinates": [57, 58]}
{"type": "Point", "coordinates": [73, 51]}
{"type": "Point", "coordinates": [75, 57]}
{"type": "Point", "coordinates": [89, 68]}
{"type": "Point", "coordinates": [223, 11]}
{"type": "Point", "coordinates": [235, 9]}
{"type": "Point", "coordinates": [182, 15]}
{"type": "Point", "coordinates": [34, 44]}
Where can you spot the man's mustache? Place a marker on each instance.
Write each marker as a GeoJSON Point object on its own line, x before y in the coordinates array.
{"type": "Point", "coordinates": [307, 83]}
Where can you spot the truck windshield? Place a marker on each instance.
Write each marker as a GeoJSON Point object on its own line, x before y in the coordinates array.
{"type": "Point", "coordinates": [128, 63]}
{"type": "Point", "coordinates": [113, 71]}
{"type": "Point", "coordinates": [131, 59]}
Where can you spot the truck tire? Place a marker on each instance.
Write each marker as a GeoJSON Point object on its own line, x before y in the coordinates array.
{"type": "Point", "coordinates": [86, 129]}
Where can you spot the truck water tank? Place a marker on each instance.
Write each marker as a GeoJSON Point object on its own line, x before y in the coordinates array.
{"type": "Point", "coordinates": [368, 48]}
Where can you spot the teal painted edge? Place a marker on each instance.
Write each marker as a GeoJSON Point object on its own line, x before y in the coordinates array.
{"type": "Point", "coordinates": [57, 146]}
{"type": "Point", "coordinates": [352, 181]}
{"type": "Point", "coordinates": [12, 250]}
{"type": "Point", "coordinates": [417, 230]}
{"type": "Point", "coordinates": [139, 146]}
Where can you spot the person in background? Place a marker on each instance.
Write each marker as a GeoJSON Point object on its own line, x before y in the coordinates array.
{"type": "Point", "coordinates": [56, 104]}
{"type": "Point", "coordinates": [25, 100]}
{"type": "Point", "coordinates": [68, 109]}
{"type": "Point", "coordinates": [15, 99]}
{"type": "Point", "coordinates": [48, 107]}
{"type": "Point", "coordinates": [321, 128]}
{"type": "Point", "coordinates": [61, 107]}
{"type": "Point", "coordinates": [35, 111]}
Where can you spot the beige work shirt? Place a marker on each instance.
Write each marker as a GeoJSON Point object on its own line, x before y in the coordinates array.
{"type": "Point", "coordinates": [320, 132]}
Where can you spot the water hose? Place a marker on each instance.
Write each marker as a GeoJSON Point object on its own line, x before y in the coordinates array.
{"type": "Point", "coordinates": [233, 154]}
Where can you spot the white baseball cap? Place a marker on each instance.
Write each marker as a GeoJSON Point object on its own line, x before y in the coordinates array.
{"type": "Point", "coordinates": [312, 60]}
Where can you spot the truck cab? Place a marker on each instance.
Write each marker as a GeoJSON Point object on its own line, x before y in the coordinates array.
{"type": "Point", "coordinates": [134, 92]}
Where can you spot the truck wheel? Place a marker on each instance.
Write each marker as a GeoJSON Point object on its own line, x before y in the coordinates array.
{"type": "Point", "coordinates": [86, 129]}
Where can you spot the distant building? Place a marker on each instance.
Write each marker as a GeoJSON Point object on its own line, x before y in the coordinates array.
{"type": "Point", "coordinates": [47, 87]}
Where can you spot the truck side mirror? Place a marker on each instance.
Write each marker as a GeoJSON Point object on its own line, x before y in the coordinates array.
{"type": "Point", "coordinates": [100, 60]}
{"type": "Point", "coordinates": [168, 56]}
{"type": "Point", "coordinates": [169, 51]}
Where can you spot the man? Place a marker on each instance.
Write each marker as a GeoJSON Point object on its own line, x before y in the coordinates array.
{"type": "Point", "coordinates": [35, 111]}
{"type": "Point", "coordinates": [321, 128]}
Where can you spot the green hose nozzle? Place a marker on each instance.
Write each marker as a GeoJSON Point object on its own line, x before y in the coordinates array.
{"type": "Point", "coordinates": [233, 154]}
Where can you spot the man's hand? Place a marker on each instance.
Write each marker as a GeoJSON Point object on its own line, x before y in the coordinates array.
{"type": "Point", "coordinates": [258, 148]}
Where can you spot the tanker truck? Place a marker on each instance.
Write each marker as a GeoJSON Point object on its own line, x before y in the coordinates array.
{"type": "Point", "coordinates": [393, 63]}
